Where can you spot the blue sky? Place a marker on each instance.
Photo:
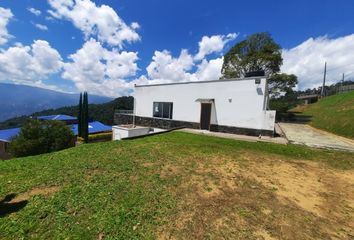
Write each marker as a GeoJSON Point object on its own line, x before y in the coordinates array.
{"type": "Point", "coordinates": [164, 41]}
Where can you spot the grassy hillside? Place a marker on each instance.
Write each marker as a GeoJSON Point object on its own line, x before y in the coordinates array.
{"type": "Point", "coordinates": [175, 185]}
{"type": "Point", "coordinates": [334, 114]}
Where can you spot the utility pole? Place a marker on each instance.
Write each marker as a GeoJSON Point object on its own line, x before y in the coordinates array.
{"type": "Point", "coordinates": [324, 81]}
{"type": "Point", "coordinates": [341, 89]}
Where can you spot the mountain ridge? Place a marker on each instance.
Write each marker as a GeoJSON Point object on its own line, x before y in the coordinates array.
{"type": "Point", "coordinates": [100, 112]}
{"type": "Point", "coordinates": [18, 100]}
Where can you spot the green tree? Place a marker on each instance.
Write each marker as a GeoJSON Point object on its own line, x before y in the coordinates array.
{"type": "Point", "coordinates": [79, 117]}
{"type": "Point", "coordinates": [37, 137]}
{"type": "Point", "coordinates": [259, 52]}
{"type": "Point", "coordinates": [281, 83]}
{"type": "Point", "coordinates": [85, 118]}
{"type": "Point", "coordinates": [283, 103]}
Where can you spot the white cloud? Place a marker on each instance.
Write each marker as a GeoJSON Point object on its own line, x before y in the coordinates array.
{"type": "Point", "coordinates": [210, 70]}
{"type": "Point", "coordinates": [99, 68]}
{"type": "Point", "coordinates": [307, 60]}
{"type": "Point", "coordinates": [164, 67]}
{"type": "Point", "coordinates": [5, 17]}
{"type": "Point", "coordinates": [49, 18]}
{"type": "Point", "coordinates": [34, 11]}
{"type": "Point", "coordinates": [213, 44]}
{"type": "Point", "coordinates": [101, 21]}
{"type": "Point", "coordinates": [186, 67]}
{"type": "Point", "coordinates": [41, 26]}
{"type": "Point", "coordinates": [29, 64]}
{"type": "Point", "coordinates": [135, 25]}
{"type": "Point", "coordinates": [101, 71]}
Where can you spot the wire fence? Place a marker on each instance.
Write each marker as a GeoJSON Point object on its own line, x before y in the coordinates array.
{"type": "Point", "coordinates": [339, 89]}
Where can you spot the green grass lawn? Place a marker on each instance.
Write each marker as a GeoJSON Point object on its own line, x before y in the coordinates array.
{"type": "Point", "coordinates": [132, 189]}
{"type": "Point", "coordinates": [334, 114]}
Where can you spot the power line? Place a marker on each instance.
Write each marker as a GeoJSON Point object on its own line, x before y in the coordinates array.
{"type": "Point", "coordinates": [338, 67]}
{"type": "Point", "coordinates": [348, 75]}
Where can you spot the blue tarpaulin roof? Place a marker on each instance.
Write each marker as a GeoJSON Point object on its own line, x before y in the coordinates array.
{"type": "Point", "coordinates": [94, 127]}
{"type": "Point", "coordinates": [7, 134]}
{"type": "Point", "coordinates": [60, 117]}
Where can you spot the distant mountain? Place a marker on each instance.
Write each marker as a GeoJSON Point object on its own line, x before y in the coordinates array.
{"type": "Point", "coordinates": [18, 100]}
{"type": "Point", "coordinates": [100, 112]}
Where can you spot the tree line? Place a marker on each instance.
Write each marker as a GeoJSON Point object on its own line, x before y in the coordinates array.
{"type": "Point", "coordinates": [38, 136]}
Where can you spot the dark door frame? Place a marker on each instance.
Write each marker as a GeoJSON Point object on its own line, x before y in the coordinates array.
{"type": "Point", "coordinates": [201, 111]}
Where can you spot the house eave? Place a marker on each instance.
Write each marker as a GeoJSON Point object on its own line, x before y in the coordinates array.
{"type": "Point", "coordinates": [198, 82]}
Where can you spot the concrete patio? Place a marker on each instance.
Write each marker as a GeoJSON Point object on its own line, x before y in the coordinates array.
{"type": "Point", "coordinates": [306, 135]}
{"type": "Point", "coordinates": [279, 140]}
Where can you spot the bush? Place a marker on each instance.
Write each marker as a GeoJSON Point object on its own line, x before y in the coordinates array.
{"type": "Point", "coordinates": [100, 136]}
{"type": "Point", "coordinates": [284, 103]}
{"type": "Point", "coordinates": [107, 136]}
{"type": "Point", "coordinates": [279, 105]}
{"type": "Point", "coordinates": [37, 137]}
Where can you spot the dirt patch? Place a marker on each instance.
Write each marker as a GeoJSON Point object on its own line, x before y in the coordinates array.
{"type": "Point", "coordinates": [34, 192]}
{"type": "Point", "coordinates": [324, 192]}
{"type": "Point", "coordinates": [264, 235]}
{"type": "Point", "coordinates": [169, 170]}
{"type": "Point", "coordinates": [297, 182]}
{"type": "Point", "coordinates": [148, 164]}
{"type": "Point", "coordinates": [259, 197]}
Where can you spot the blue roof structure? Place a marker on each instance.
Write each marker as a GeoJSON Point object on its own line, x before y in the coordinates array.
{"type": "Point", "coordinates": [7, 134]}
{"type": "Point", "coordinates": [60, 117]}
{"type": "Point", "coordinates": [94, 127]}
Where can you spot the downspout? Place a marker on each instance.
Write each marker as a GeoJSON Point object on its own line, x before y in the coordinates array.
{"type": "Point", "coordinates": [134, 108]}
{"type": "Point", "coordinates": [134, 112]}
{"type": "Point", "coordinates": [266, 96]}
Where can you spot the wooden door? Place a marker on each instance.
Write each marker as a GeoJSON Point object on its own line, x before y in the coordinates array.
{"type": "Point", "coordinates": [205, 116]}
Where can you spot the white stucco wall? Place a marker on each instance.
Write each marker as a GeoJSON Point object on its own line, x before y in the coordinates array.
{"type": "Point", "coordinates": [238, 103]}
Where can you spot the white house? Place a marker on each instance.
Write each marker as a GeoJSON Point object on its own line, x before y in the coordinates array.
{"type": "Point", "coordinates": [233, 105]}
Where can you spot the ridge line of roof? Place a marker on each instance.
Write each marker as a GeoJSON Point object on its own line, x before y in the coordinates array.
{"type": "Point", "coordinates": [193, 82]}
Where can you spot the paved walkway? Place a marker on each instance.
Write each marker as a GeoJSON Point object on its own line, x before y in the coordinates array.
{"type": "Point", "coordinates": [279, 140]}
{"type": "Point", "coordinates": [307, 135]}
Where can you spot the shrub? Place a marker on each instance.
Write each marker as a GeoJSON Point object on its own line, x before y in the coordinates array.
{"type": "Point", "coordinates": [37, 137]}
{"type": "Point", "coordinates": [100, 136]}
{"type": "Point", "coordinates": [279, 105]}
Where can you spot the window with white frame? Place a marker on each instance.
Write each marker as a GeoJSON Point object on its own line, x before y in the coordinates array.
{"type": "Point", "coordinates": [163, 110]}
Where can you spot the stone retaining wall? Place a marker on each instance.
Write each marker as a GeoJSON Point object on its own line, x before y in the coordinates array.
{"type": "Point", "coordinates": [122, 119]}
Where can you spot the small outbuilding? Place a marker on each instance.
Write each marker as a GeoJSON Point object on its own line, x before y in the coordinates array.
{"type": "Point", "coordinates": [5, 139]}
{"type": "Point", "coordinates": [232, 105]}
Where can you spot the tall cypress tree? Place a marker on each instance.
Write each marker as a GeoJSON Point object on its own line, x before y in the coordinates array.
{"type": "Point", "coordinates": [86, 117]}
{"type": "Point", "coordinates": [79, 117]}
{"type": "Point", "coordinates": [83, 117]}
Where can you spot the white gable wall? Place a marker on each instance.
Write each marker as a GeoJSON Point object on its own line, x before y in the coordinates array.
{"type": "Point", "coordinates": [237, 103]}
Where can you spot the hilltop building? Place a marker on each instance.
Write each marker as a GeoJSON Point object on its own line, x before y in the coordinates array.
{"type": "Point", "coordinates": [237, 106]}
